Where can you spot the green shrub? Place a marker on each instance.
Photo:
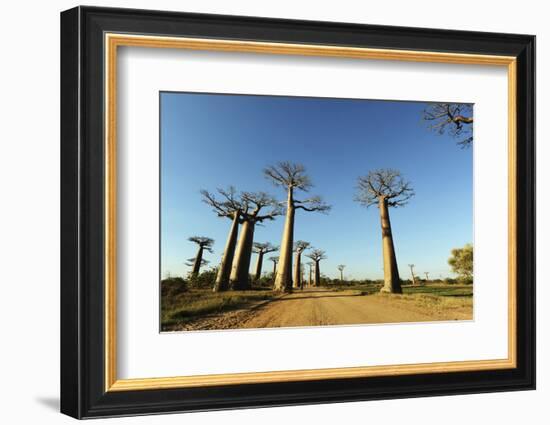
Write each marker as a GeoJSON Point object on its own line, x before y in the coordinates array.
{"type": "Point", "coordinates": [265, 281]}
{"type": "Point", "coordinates": [205, 279]}
{"type": "Point", "coordinates": [173, 286]}
{"type": "Point", "coordinates": [450, 281]}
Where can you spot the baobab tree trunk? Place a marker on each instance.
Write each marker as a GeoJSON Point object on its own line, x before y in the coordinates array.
{"type": "Point", "coordinates": [391, 273]}
{"type": "Point", "coordinates": [309, 283]}
{"type": "Point", "coordinates": [283, 280]}
{"type": "Point", "coordinates": [239, 278]}
{"type": "Point", "coordinates": [412, 274]}
{"type": "Point", "coordinates": [222, 278]}
{"type": "Point", "coordinates": [317, 275]}
{"type": "Point", "coordinates": [197, 262]}
{"type": "Point", "coordinates": [274, 269]}
{"type": "Point", "coordinates": [297, 271]}
{"type": "Point", "coordinates": [258, 272]}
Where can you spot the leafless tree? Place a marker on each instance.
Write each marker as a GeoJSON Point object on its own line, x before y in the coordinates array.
{"type": "Point", "coordinates": [291, 177]}
{"type": "Point", "coordinates": [299, 247]}
{"type": "Point", "coordinates": [411, 266]}
{"type": "Point", "coordinates": [454, 118]}
{"type": "Point", "coordinates": [253, 203]}
{"type": "Point", "coordinates": [317, 255]}
{"type": "Point", "coordinates": [205, 244]}
{"type": "Point", "coordinates": [385, 188]}
{"type": "Point", "coordinates": [261, 249]}
{"type": "Point", "coordinates": [310, 280]}
{"type": "Point", "coordinates": [275, 260]}
{"type": "Point", "coordinates": [341, 268]}
{"type": "Point", "coordinates": [229, 205]}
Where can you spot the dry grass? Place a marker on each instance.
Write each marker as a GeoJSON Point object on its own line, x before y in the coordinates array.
{"type": "Point", "coordinates": [442, 302]}
{"type": "Point", "coordinates": [179, 308]}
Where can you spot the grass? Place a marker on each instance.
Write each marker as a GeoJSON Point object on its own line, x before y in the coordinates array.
{"type": "Point", "coordinates": [180, 305]}
{"type": "Point", "coordinates": [443, 302]}
{"type": "Point", "coordinates": [441, 290]}
{"type": "Point", "coordinates": [186, 305]}
{"type": "Point", "coordinates": [365, 289]}
{"type": "Point", "coordinates": [439, 300]}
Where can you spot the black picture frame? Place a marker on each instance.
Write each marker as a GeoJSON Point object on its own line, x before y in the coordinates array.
{"type": "Point", "coordinates": [82, 219]}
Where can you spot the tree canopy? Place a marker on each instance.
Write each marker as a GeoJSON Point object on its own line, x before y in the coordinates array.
{"type": "Point", "coordinates": [253, 202]}
{"type": "Point", "coordinates": [300, 246]}
{"type": "Point", "coordinates": [203, 242]}
{"type": "Point", "coordinates": [288, 174]}
{"type": "Point", "coordinates": [462, 261]}
{"type": "Point", "coordinates": [317, 255]}
{"type": "Point", "coordinates": [263, 247]}
{"type": "Point", "coordinates": [227, 205]}
{"type": "Point", "coordinates": [387, 184]}
{"type": "Point", "coordinates": [455, 119]}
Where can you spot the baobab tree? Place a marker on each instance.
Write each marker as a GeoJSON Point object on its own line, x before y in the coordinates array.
{"type": "Point", "coordinates": [275, 260]}
{"type": "Point", "coordinates": [310, 281]}
{"type": "Point", "coordinates": [341, 268]}
{"type": "Point", "coordinates": [261, 249]}
{"type": "Point", "coordinates": [454, 118]}
{"type": "Point", "coordinates": [385, 188]}
{"type": "Point", "coordinates": [299, 247]}
{"type": "Point", "coordinates": [190, 262]}
{"type": "Point", "coordinates": [229, 206]}
{"type": "Point", "coordinates": [291, 177]}
{"type": "Point", "coordinates": [205, 244]}
{"type": "Point", "coordinates": [317, 255]}
{"type": "Point", "coordinates": [253, 203]}
{"type": "Point", "coordinates": [411, 266]}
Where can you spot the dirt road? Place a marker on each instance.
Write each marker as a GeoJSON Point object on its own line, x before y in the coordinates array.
{"type": "Point", "coordinates": [317, 307]}
{"type": "Point", "coordinates": [323, 307]}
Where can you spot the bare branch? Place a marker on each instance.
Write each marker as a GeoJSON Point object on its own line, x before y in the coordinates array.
{"type": "Point", "coordinates": [228, 206]}
{"type": "Point", "coordinates": [455, 118]}
{"type": "Point", "coordinates": [315, 203]}
{"type": "Point", "coordinates": [255, 201]}
{"type": "Point", "coordinates": [203, 242]}
{"type": "Point", "coordinates": [264, 248]}
{"type": "Point", "coordinates": [288, 174]}
{"type": "Point", "coordinates": [190, 262]}
{"type": "Point", "coordinates": [384, 184]}
{"type": "Point", "coordinates": [317, 255]}
{"type": "Point", "coordinates": [300, 246]}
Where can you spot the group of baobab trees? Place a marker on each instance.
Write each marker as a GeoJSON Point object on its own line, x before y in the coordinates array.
{"type": "Point", "coordinates": [384, 188]}
{"type": "Point", "coordinates": [245, 210]}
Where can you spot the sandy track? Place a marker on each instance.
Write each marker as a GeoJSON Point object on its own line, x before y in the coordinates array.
{"type": "Point", "coordinates": [318, 307]}
{"type": "Point", "coordinates": [323, 307]}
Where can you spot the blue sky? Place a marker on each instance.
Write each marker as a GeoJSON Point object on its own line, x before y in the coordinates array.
{"type": "Point", "coordinates": [210, 141]}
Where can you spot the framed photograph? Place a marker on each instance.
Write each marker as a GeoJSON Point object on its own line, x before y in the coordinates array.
{"type": "Point", "coordinates": [261, 212]}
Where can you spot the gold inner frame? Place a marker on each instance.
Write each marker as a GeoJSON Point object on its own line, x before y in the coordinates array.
{"type": "Point", "coordinates": [113, 41]}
